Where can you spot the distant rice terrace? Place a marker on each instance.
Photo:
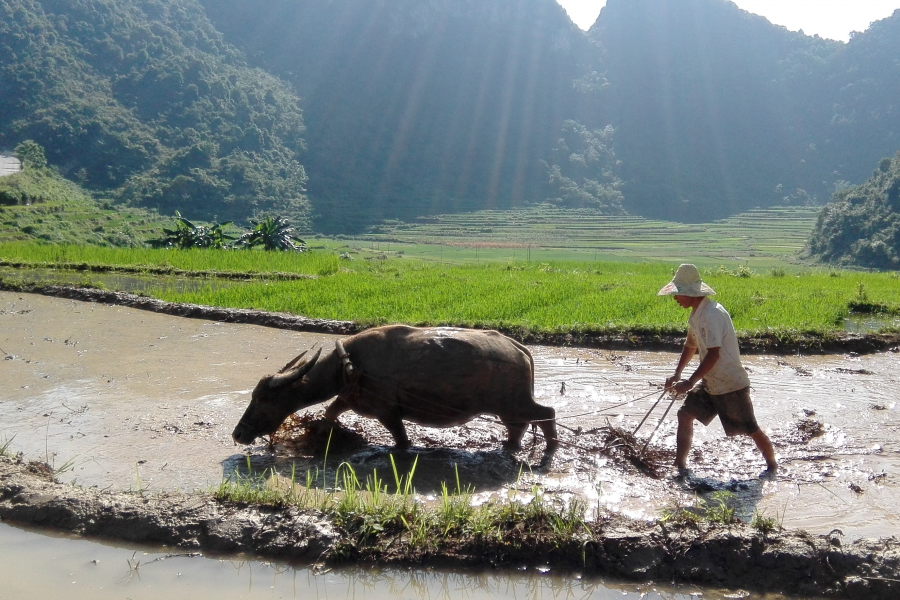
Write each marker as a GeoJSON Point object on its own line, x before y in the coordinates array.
{"type": "Point", "coordinates": [758, 238]}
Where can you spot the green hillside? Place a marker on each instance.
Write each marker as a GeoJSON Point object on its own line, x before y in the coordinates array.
{"type": "Point", "coordinates": [145, 102]}
{"type": "Point", "coordinates": [345, 114]}
{"type": "Point", "coordinates": [861, 227]}
{"type": "Point", "coordinates": [39, 204]}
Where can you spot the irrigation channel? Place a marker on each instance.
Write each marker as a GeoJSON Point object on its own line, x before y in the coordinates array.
{"type": "Point", "coordinates": [120, 399]}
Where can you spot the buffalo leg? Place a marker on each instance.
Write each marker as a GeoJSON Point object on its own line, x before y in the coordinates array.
{"type": "Point", "coordinates": [514, 437]}
{"type": "Point", "coordinates": [394, 424]}
{"type": "Point", "coordinates": [545, 418]}
{"type": "Point", "coordinates": [547, 423]}
{"type": "Point", "coordinates": [337, 407]}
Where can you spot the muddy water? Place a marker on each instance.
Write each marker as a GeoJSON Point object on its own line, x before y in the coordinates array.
{"type": "Point", "coordinates": [125, 399]}
{"type": "Point", "coordinates": [834, 421]}
{"type": "Point", "coordinates": [81, 569]}
{"type": "Point", "coordinates": [134, 283]}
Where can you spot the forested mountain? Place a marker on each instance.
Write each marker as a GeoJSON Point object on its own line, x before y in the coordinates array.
{"type": "Point", "coordinates": [717, 110]}
{"type": "Point", "coordinates": [861, 226]}
{"type": "Point", "coordinates": [416, 106]}
{"type": "Point", "coordinates": [144, 100]}
{"type": "Point", "coordinates": [681, 109]}
{"type": "Point", "coordinates": [708, 105]}
{"type": "Point", "coordinates": [861, 121]}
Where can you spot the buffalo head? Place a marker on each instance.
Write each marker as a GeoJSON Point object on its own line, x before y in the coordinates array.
{"type": "Point", "coordinates": [274, 398]}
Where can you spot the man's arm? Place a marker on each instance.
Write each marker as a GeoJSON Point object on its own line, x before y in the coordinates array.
{"type": "Point", "coordinates": [705, 366]}
{"type": "Point", "coordinates": [687, 353]}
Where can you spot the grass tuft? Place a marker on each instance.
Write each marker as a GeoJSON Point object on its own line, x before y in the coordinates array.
{"type": "Point", "coordinates": [718, 509]}
{"type": "Point", "coordinates": [4, 447]}
{"type": "Point", "coordinates": [764, 524]}
{"type": "Point", "coordinates": [370, 514]}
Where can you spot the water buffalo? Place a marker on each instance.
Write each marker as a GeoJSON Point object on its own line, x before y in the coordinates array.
{"type": "Point", "coordinates": [435, 376]}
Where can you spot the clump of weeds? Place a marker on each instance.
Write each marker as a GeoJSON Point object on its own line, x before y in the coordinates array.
{"type": "Point", "coordinates": [374, 517]}
{"type": "Point", "coordinates": [763, 524]}
{"type": "Point", "coordinates": [718, 509]}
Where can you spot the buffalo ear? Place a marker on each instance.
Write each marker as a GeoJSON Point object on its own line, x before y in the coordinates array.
{"type": "Point", "coordinates": [283, 378]}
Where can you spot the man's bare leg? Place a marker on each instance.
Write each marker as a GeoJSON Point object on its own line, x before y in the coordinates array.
{"type": "Point", "coordinates": [764, 444]}
{"type": "Point", "coordinates": [683, 439]}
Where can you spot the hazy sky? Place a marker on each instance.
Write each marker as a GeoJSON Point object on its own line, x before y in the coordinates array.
{"type": "Point", "coordinates": [833, 19]}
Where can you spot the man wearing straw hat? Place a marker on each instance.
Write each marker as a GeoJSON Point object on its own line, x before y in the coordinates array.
{"type": "Point", "coordinates": [725, 387]}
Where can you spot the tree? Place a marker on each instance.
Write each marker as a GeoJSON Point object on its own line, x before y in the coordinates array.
{"type": "Point", "coordinates": [31, 154]}
{"type": "Point", "coordinates": [272, 233]}
{"type": "Point", "coordinates": [861, 225]}
{"type": "Point", "coordinates": [583, 173]}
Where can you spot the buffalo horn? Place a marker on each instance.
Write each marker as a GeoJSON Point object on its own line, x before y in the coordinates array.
{"type": "Point", "coordinates": [286, 378]}
{"type": "Point", "coordinates": [293, 362]}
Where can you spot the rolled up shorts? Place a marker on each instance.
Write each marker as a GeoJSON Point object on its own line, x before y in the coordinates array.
{"type": "Point", "coordinates": [735, 410]}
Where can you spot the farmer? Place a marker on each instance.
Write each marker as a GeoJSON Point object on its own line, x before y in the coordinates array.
{"type": "Point", "coordinates": [724, 388]}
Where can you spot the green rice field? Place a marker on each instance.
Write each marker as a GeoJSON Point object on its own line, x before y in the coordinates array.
{"type": "Point", "coordinates": [198, 260]}
{"type": "Point", "coordinates": [558, 297]}
{"type": "Point", "coordinates": [471, 277]}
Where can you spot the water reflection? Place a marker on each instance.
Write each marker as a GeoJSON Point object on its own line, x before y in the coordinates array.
{"type": "Point", "coordinates": [132, 283]}
{"type": "Point", "coordinates": [36, 565]}
{"type": "Point", "coordinates": [870, 323]}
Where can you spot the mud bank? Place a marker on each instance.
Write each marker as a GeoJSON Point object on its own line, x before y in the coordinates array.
{"type": "Point", "coordinates": [192, 311]}
{"type": "Point", "coordinates": [148, 270]}
{"type": "Point", "coordinates": [804, 343]}
{"type": "Point", "coordinates": [29, 494]}
{"type": "Point", "coordinates": [786, 562]}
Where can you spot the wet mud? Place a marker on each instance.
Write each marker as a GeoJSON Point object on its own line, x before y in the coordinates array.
{"type": "Point", "coordinates": [30, 494]}
{"type": "Point", "coordinates": [134, 402]}
{"type": "Point", "coordinates": [735, 555]}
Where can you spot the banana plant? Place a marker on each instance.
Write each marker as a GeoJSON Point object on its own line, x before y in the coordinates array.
{"type": "Point", "coordinates": [188, 235]}
{"type": "Point", "coordinates": [272, 233]}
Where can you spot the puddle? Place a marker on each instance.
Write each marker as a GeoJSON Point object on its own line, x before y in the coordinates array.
{"type": "Point", "coordinates": [870, 323]}
{"type": "Point", "coordinates": [135, 284]}
{"type": "Point", "coordinates": [121, 398]}
{"type": "Point", "coordinates": [36, 565]}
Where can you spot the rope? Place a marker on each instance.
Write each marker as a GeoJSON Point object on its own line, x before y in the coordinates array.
{"type": "Point", "coordinates": [395, 387]}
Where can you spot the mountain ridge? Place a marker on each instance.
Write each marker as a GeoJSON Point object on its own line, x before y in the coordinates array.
{"type": "Point", "coordinates": [343, 113]}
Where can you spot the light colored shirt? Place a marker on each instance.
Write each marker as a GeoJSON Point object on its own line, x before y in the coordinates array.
{"type": "Point", "coordinates": [710, 326]}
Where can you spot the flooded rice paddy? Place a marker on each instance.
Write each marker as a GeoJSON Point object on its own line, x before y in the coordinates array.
{"type": "Point", "coordinates": [133, 282]}
{"type": "Point", "coordinates": [121, 399]}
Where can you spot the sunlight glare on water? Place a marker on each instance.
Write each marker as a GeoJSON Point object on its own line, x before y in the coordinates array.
{"type": "Point", "coordinates": [125, 398]}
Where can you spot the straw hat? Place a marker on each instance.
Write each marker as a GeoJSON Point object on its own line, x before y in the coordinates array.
{"type": "Point", "coordinates": [686, 282]}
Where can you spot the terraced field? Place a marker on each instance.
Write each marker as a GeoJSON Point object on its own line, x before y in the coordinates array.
{"type": "Point", "coordinates": [758, 239]}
